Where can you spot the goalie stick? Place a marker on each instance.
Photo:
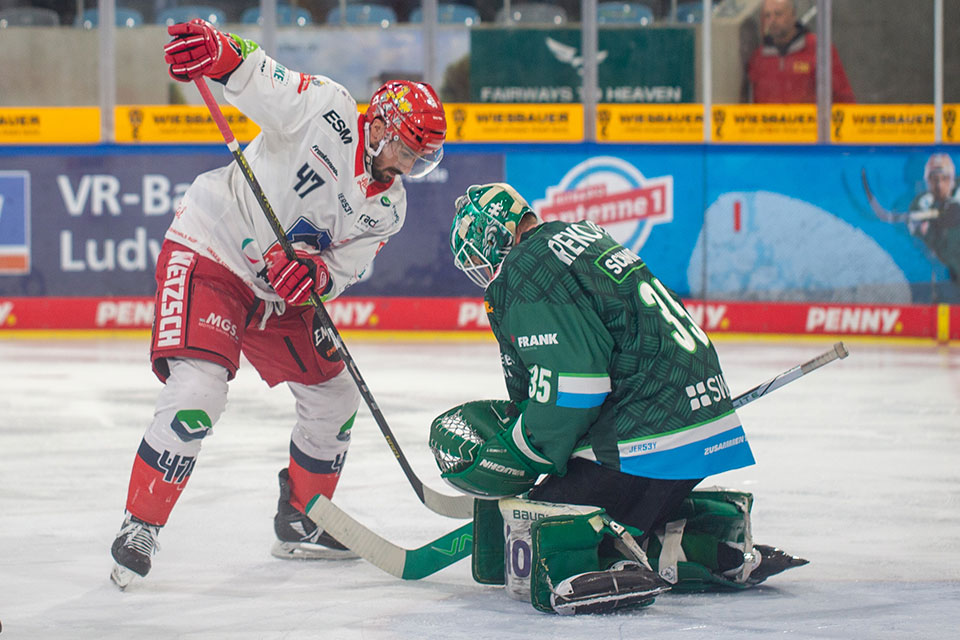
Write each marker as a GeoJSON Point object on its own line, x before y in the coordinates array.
{"type": "Point", "coordinates": [413, 564]}
{"type": "Point", "coordinates": [443, 504]}
{"type": "Point", "coordinates": [408, 564]}
{"type": "Point", "coordinates": [837, 352]}
{"type": "Point", "coordinates": [889, 216]}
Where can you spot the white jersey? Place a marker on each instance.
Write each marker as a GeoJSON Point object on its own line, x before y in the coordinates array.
{"type": "Point", "coordinates": [308, 159]}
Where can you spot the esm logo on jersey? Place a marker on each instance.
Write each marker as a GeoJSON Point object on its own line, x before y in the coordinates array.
{"type": "Point", "coordinates": [615, 195]}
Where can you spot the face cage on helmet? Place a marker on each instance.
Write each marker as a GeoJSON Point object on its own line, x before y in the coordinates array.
{"type": "Point", "coordinates": [474, 264]}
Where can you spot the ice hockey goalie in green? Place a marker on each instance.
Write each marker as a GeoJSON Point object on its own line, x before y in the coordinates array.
{"type": "Point", "coordinates": [617, 399]}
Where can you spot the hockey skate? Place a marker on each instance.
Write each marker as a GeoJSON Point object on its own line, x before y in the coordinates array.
{"type": "Point", "coordinates": [135, 543]}
{"type": "Point", "coordinates": [772, 562]}
{"type": "Point", "coordinates": [298, 538]}
{"type": "Point", "coordinates": [625, 584]}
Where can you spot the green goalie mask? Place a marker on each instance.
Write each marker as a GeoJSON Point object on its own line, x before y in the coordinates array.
{"type": "Point", "coordinates": [484, 227]}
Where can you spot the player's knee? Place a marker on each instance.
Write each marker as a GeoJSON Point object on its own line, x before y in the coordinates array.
{"type": "Point", "coordinates": [192, 400]}
{"type": "Point", "coordinates": [325, 414]}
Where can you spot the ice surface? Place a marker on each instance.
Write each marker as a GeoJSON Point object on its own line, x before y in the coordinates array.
{"type": "Point", "coordinates": [857, 471]}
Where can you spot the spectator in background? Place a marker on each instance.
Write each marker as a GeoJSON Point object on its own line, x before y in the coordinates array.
{"type": "Point", "coordinates": [784, 68]}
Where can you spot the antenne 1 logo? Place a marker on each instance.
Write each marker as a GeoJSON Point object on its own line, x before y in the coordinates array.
{"type": "Point", "coordinates": [613, 194]}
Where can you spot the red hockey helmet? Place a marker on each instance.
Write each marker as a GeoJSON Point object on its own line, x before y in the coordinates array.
{"type": "Point", "coordinates": [414, 116]}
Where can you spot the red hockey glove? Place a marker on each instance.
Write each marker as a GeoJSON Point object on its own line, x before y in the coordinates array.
{"type": "Point", "coordinates": [295, 280]}
{"type": "Point", "coordinates": [198, 48]}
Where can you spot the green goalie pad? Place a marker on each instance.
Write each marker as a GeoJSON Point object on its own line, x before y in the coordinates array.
{"type": "Point", "coordinates": [567, 545]}
{"type": "Point", "coordinates": [685, 552]}
{"type": "Point", "coordinates": [488, 543]}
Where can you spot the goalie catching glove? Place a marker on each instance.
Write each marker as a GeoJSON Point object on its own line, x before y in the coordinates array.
{"type": "Point", "coordinates": [295, 280]}
{"type": "Point", "coordinates": [482, 449]}
{"type": "Point", "coordinates": [200, 49]}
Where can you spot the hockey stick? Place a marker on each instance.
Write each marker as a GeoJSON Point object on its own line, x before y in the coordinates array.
{"type": "Point", "coordinates": [408, 564]}
{"type": "Point", "coordinates": [413, 564]}
{"type": "Point", "coordinates": [446, 505]}
{"type": "Point", "coordinates": [838, 352]}
{"type": "Point", "coordinates": [889, 216]}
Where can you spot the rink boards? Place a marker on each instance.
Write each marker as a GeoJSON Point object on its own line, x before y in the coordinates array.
{"type": "Point", "coordinates": [760, 239]}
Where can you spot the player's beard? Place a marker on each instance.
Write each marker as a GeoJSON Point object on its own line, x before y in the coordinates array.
{"type": "Point", "coordinates": [384, 173]}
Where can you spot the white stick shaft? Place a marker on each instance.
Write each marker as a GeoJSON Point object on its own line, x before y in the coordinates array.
{"type": "Point", "coordinates": [836, 353]}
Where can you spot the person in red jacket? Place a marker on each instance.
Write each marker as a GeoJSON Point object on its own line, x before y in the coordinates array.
{"type": "Point", "coordinates": [784, 68]}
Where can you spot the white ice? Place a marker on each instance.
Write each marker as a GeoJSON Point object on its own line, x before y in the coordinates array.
{"type": "Point", "coordinates": [857, 471]}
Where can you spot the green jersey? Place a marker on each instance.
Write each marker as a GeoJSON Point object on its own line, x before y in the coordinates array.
{"type": "Point", "coordinates": [611, 364]}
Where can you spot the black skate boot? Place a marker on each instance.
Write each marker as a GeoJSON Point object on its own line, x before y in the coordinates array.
{"type": "Point", "coordinates": [625, 584]}
{"type": "Point", "coordinates": [772, 562]}
{"type": "Point", "coordinates": [134, 545]}
{"type": "Point", "coordinates": [298, 538]}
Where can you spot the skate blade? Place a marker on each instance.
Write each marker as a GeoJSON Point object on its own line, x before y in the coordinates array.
{"type": "Point", "coordinates": [121, 576]}
{"type": "Point", "coordinates": [308, 551]}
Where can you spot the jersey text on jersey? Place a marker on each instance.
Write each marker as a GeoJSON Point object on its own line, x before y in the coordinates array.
{"type": "Point", "coordinates": [339, 126]}
{"type": "Point", "coordinates": [574, 240]}
{"type": "Point", "coordinates": [172, 312]}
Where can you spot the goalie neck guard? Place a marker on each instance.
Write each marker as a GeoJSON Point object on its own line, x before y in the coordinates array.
{"type": "Point", "coordinates": [484, 229]}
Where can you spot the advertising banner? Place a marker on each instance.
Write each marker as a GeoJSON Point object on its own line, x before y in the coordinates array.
{"type": "Point", "coordinates": [90, 223]}
{"type": "Point", "coordinates": [546, 65]}
{"type": "Point", "coordinates": [764, 123]}
{"type": "Point", "coordinates": [800, 224]}
{"type": "Point", "coordinates": [814, 224]}
{"type": "Point", "coordinates": [882, 124]}
{"type": "Point", "coordinates": [512, 122]}
{"type": "Point", "coordinates": [385, 315]}
{"type": "Point", "coordinates": [49, 125]}
{"type": "Point", "coordinates": [650, 123]}
{"type": "Point", "coordinates": [178, 124]}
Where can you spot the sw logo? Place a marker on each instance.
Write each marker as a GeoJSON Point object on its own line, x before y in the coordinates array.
{"type": "Point", "coordinates": [705, 393]}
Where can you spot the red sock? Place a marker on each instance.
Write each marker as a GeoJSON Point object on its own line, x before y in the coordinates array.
{"type": "Point", "coordinates": [304, 485]}
{"type": "Point", "coordinates": [156, 482]}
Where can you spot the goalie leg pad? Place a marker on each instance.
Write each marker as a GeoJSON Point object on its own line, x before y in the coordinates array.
{"type": "Point", "coordinates": [626, 584]}
{"type": "Point", "coordinates": [570, 576]}
{"type": "Point", "coordinates": [488, 543]}
{"type": "Point", "coordinates": [575, 546]}
{"type": "Point", "coordinates": [716, 550]}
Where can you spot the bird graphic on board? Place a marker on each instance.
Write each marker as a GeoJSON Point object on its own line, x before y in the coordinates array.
{"type": "Point", "coordinates": [568, 54]}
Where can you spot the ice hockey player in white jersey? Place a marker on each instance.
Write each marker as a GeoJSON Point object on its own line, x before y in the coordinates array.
{"type": "Point", "coordinates": [224, 285]}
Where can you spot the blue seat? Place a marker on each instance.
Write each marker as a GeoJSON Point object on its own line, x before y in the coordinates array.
{"type": "Point", "coordinates": [532, 13]}
{"type": "Point", "coordinates": [187, 13]}
{"type": "Point", "coordinates": [624, 13]}
{"type": "Point", "coordinates": [690, 12]}
{"type": "Point", "coordinates": [286, 16]}
{"type": "Point", "coordinates": [364, 14]}
{"type": "Point", "coordinates": [123, 17]}
{"type": "Point", "coordinates": [450, 13]}
{"type": "Point", "coordinates": [29, 17]}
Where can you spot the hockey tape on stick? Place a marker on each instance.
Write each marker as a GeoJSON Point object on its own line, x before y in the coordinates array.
{"type": "Point", "coordinates": [408, 564]}
{"type": "Point", "coordinates": [838, 352]}
{"type": "Point", "coordinates": [451, 506]}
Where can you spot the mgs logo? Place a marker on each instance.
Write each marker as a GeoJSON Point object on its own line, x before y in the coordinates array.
{"type": "Point", "coordinates": [613, 194]}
